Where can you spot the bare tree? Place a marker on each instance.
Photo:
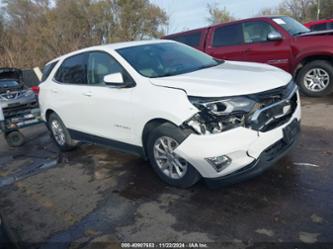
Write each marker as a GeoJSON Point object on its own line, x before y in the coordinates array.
{"type": "Point", "coordinates": [35, 31]}
{"type": "Point", "coordinates": [302, 10]}
{"type": "Point", "coordinates": [217, 15]}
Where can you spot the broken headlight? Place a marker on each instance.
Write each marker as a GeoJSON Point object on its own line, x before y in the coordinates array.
{"type": "Point", "coordinates": [217, 115]}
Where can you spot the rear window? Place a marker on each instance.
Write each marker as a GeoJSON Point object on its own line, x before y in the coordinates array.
{"type": "Point", "coordinates": [228, 35]}
{"type": "Point", "coordinates": [319, 27]}
{"type": "Point", "coordinates": [47, 70]}
{"type": "Point", "coordinates": [192, 39]}
{"type": "Point", "coordinates": [73, 70]}
{"type": "Point", "coordinates": [330, 25]}
{"type": "Point", "coordinates": [8, 83]}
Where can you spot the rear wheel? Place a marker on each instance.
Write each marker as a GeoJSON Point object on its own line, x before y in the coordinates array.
{"type": "Point", "coordinates": [60, 133]}
{"type": "Point", "coordinates": [171, 168]}
{"type": "Point", "coordinates": [315, 79]}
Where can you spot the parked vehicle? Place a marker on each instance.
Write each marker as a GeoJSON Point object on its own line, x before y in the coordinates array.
{"type": "Point", "coordinates": [18, 105]}
{"type": "Point", "coordinates": [320, 25]}
{"type": "Point", "coordinates": [191, 115]}
{"type": "Point", "coordinates": [279, 41]}
{"type": "Point", "coordinates": [13, 92]}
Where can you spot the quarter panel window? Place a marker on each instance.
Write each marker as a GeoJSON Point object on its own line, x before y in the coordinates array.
{"type": "Point", "coordinates": [47, 70]}
{"type": "Point", "coordinates": [228, 35]}
{"type": "Point", "coordinates": [319, 27]}
{"type": "Point", "coordinates": [101, 64]}
{"type": "Point", "coordinates": [192, 39]}
{"type": "Point", "coordinates": [73, 70]}
{"type": "Point", "coordinates": [256, 31]}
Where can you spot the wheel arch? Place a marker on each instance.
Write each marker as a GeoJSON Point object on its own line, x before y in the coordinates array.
{"type": "Point", "coordinates": [149, 126]}
{"type": "Point", "coordinates": [309, 59]}
{"type": "Point", "coordinates": [48, 113]}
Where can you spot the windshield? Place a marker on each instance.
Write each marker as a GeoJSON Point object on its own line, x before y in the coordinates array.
{"type": "Point", "coordinates": [291, 25]}
{"type": "Point", "coordinates": [8, 83]}
{"type": "Point", "coordinates": [166, 59]}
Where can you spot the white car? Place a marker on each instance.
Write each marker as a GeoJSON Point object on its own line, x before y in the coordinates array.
{"type": "Point", "coordinates": [191, 115]}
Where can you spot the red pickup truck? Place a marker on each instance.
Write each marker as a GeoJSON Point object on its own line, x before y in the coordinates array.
{"type": "Point", "coordinates": [320, 25]}
{"type": "Point", "coordinates": [280, 41]}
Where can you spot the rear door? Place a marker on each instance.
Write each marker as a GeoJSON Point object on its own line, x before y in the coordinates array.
{"type": "Point", "coordinates": [70, 93]}
{"type": "Point", "coordinates": [259, 49]}
{"type": "Point", "coordinates": [226, 42]}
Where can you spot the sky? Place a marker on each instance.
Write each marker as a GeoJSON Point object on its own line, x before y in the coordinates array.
{"type": "Point", "coordinates": [190, 14]}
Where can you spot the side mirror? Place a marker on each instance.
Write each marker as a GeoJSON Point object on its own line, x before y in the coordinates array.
{"type": "Point", "coordinates": [274, 36]}
{"type": "Point", "coordinates": [114, 79]}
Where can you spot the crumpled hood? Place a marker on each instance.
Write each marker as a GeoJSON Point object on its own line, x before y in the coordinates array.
{"type": "Point", "coordinates": [228, 79]}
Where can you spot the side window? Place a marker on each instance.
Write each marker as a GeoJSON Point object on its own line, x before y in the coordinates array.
{"type": "Point", "coordinates": [228, 35]}
{"type": "Point", "coordinates": [47, 70]}
{"type": "Point", "coordinates": [256, 31]}
{"type": "Point", "coordinates": [73, 70]}
{"type": "Point", "coordinates": [192, 39]}
{"type": "Point", "coordinates": [101, 64]}
{"type": "Point", "coordinates": [319, 27]}
{"type": "Point", "coordinates": [330, 25]}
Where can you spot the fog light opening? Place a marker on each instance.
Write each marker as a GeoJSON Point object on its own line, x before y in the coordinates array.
{"type": "Point", "coordinates": [219, 162]}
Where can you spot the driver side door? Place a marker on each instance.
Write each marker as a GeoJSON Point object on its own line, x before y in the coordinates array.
{"type": "Point", "coordinates": [110, 106]}
{"type": "Point", "coordinates": [259, 49]}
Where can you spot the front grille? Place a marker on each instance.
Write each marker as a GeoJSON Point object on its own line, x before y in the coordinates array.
{"type": "Point", "coordinates": [15, 110]}
{"type": "Point", "coordinates": [275, 108]}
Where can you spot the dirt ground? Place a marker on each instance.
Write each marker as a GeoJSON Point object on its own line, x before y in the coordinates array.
{"type": "Point", "coordinates": [95, 197]}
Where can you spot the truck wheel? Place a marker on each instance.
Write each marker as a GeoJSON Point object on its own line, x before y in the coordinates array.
{"type": "Point", "coordinates": [60, 133]}
{"type": "Point", "coordinates": [171, 168]}
{"type": "Point", "coordinates": [315, 79]}
{"type": "Point", "coordinates": [14, 138]}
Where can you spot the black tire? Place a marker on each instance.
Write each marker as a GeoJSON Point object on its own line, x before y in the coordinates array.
{"type": "Point", "coordinates": [15, 138]}
{"type": "Point", "coordinates": [69, 144]}
{"type": "Point", "coordinates": [191, 176]}
{"type": "Point", "coordinates": [323, 65]}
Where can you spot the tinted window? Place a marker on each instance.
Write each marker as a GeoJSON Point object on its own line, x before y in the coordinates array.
{"type": "Point", "coordinates": [8, 83]}
{"type": "Point", "coordinates": [256, 31]}
{"type": "Point", "coordinates": [101, 64]}
{"type": "Point", "coordinates": [319, 27]}
{"type": "Point", "coordinates": [192, 39]}
{"type": "Point", "coordinates": [73, 70]}
{"type": "Point", "coordinates": [228, 35]}
{"type": "Point", "coordinates": [330, 25]}
{"type": "Point", "coordinates": [47, 70]}
{"type": "Point", "coordinates": [166, 59]}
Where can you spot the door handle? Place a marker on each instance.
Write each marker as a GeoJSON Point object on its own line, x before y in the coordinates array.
{"type": "Point", "coordinates": [88, 94]}
{"type": "Point", "coordinates": [54, 91]}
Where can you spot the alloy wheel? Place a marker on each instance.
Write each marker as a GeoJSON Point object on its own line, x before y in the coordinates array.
{"type": "Point", "coordinates": [169, 163]}
{"type": "Point", "coordinates": [316, 79]}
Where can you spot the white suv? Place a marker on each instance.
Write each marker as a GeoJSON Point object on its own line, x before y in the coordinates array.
{"type": "Point", "coordinates": [191, 115]}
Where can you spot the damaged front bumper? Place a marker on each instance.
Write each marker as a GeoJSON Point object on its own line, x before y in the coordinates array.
{"type": "Point", "coordinates": [249, 151]}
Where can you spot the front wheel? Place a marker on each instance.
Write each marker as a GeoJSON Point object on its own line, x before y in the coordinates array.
{"type": "Point", "coordinates": [315, 79]}
{"type": "Point", "coordinates": [171, 168]}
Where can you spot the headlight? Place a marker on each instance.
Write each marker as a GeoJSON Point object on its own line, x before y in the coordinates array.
{"type": "Point", "coordinates": [227, 106]}
{"type": "Point", "coordinates": [217, 115]}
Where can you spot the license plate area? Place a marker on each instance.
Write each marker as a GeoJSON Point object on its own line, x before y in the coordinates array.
{"type": "Point", "coordinates": [290, 131]}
